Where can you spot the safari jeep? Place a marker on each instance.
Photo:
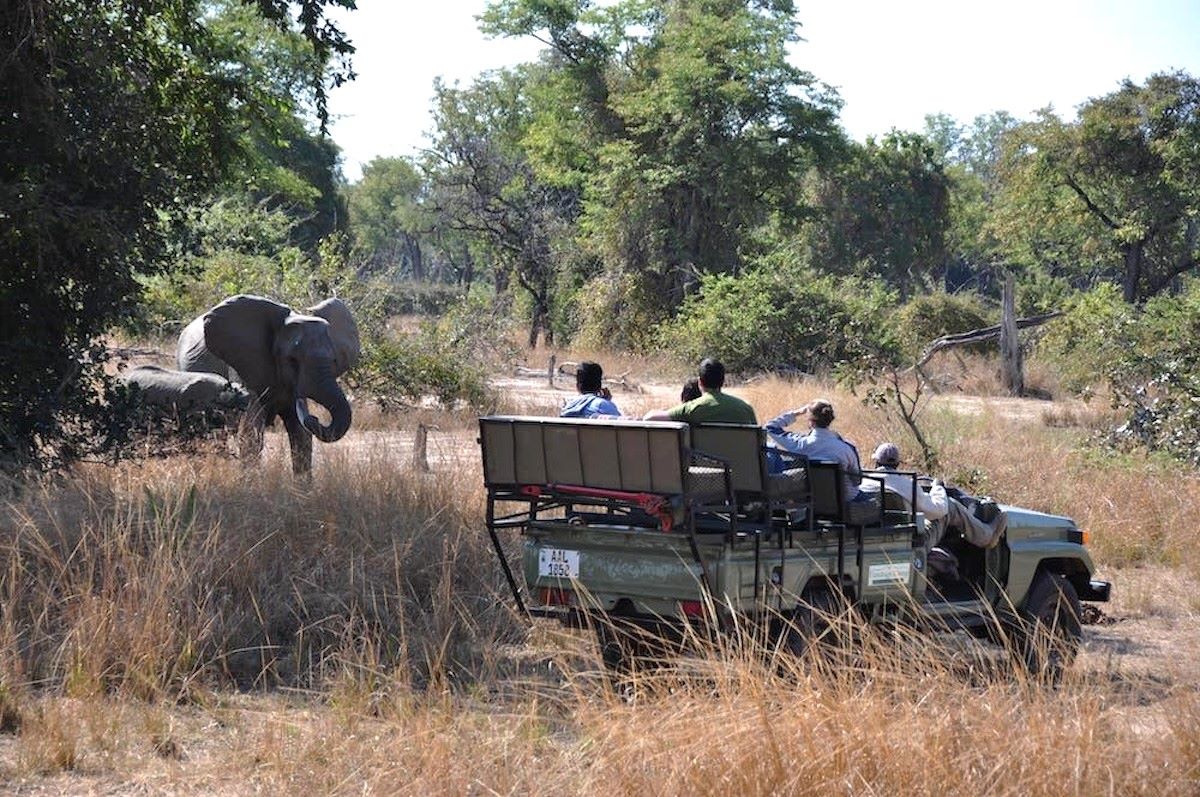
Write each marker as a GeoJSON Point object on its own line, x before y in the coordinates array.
{"type": "Point", "coordinates": [631, 527]}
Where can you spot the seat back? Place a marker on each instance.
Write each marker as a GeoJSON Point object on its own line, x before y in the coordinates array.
{"type": "Point", "coordinates": [738, 445]}
{"type": "Point", "coordinates": [635, 456]}
{"type": "Point", "coordinates": [826, 481]}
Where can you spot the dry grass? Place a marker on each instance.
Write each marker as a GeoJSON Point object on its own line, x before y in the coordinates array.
{"type": "Point", "coordinates": [149, 579]}
{"type": "Point", "coordinates": [188, 626]}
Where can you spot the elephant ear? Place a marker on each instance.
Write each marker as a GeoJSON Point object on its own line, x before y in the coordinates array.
{"type": "Point", "coordinates": [241, 331]}
{"type": "Point", "coordinates": [342, 331]}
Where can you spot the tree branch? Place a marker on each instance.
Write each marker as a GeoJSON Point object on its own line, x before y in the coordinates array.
{"type": "Point", "coordinates": [977, 335]}
{"type": "Point", "coordinates": [1087, 200]}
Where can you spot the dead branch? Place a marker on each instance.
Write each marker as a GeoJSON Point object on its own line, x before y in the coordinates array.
{"type": "Point", "coordinates": [978, 335]}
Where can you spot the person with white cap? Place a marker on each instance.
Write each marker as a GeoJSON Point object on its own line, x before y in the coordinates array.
{"type": "Point", "coordinates": [932, 504]}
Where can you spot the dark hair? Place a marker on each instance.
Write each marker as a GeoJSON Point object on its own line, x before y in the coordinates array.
{"type": "Point", "coordinates": [589, 377]}
{"type": "Point", "coordinates": [712, 373]}
{"type": "Point", "coordinates": [821, 412]}
{"type": "Point", "coordinates": [691, 391]}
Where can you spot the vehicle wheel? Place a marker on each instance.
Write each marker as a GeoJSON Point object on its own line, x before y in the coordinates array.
{"type": "Point", "coordinates": [810, 630]}
{"type": "Point", "coordinates": [1048, 636]}
{"type": "Point", "coordinates": [623, 647]}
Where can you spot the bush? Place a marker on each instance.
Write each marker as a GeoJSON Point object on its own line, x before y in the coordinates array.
{"type": "Point", "coordinates": [927, 317]}
{"type": "Point", "coordinates": [447, 359]}
{"type": "Point", "coordinates": [768, 320]}
{"type": "Point", "coordinates": [1087, 343]}
{"type": "Point", "coordinates": [402, 370]}
{"type": "Point", "coordinates": [620, 311]}
{"type": "Point", "coordinates": [1154, 376]}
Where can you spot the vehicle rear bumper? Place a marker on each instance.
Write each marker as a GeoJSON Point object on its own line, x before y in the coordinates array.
{"type": "Point", "coordinates": [1095, 591]}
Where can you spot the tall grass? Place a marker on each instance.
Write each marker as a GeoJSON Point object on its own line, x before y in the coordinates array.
{"type": "Point", "coordinates": [373, 593]}
{"type": "Point", "coordinates": [153, 578]}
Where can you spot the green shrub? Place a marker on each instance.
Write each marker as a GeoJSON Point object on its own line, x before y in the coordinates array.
{"type": "Point", "coordinates": [397, 371]}
{"type": "Point", "coordinates": [771, 320]}
{"type": "Point", "coordinates": [928, 317]}
{"type": "Point", "coordinates": [620, 311]}
{"type": "Point", "coordinates": [447, 359]}
{"type": "Point", "coordinates": [1090, 340]}
{"type": "Point", "coordinates": [1155, 376]}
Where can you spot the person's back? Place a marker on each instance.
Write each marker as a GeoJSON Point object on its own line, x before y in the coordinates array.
{"type": "Point", "coordinates": [819, 442]}
{"type": "Point", "coordinates": [713, 405]}
{"type": "Point", "coordinates": [932, 504]}
{"type": "Point", "coordinates": [591, 401]}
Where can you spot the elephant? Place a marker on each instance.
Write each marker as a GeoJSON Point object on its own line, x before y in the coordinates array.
{"type": "Point", "coordinates": [185, 393]}
{"type": "Point", "coordinates": [283, 358]}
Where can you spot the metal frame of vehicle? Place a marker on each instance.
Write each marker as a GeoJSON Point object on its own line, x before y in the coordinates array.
{"type": "Point", "coordinates": [683, 524]}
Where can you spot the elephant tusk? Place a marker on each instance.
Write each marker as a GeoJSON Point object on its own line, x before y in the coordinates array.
{"type": "Point", "coordinates": [303, 414]}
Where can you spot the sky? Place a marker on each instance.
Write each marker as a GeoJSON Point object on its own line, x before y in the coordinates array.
{"type": "Point", "coordinates": [892, 62]}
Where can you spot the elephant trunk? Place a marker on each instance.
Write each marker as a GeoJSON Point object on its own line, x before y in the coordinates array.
{"type": "Point", "coordinates": [329, 395]}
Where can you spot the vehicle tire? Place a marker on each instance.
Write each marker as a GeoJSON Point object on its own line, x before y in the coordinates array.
{"type": "Point", "coordinates": [1050, 630]}
{"type": "Point", "coordinates": [624, 648]}
{"type": "Point", "coordinates": [810, 631]}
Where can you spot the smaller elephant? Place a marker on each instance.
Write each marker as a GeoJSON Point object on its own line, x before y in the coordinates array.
{"type": "Point", "coordinates": [185, 393]}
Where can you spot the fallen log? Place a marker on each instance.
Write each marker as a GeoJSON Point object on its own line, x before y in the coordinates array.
{"type": "Point", "coordinates": [978, 335]}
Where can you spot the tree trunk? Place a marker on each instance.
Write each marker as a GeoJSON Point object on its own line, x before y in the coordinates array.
{"type": "Point", "coordinates": [412, 251]}
{"type": "Point", "coordinates": [1133, 272]}
{"type": "Point", "coordinates": [1011, 368]}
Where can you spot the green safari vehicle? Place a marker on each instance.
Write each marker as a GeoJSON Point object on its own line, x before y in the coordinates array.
{"type": "Point", "coordinates": [640, 529]}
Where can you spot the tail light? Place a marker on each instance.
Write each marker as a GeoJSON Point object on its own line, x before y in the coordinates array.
{"type": "Point", "coordinates": [554, 596]}
{"type": "Point", "coordinates": [691, 608]}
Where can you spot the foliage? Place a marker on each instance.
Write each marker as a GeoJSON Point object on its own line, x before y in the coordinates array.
{"type": "Point", "coordinates": [717, 126]}
{"type": "Point", "coordinates": [1094, 335]}
{"type": "Point", "coordinates": [448, 357]}
{"type": "Point", "coordinates": [884, 212]}
{"type": "Point", "coordinates": [402, 370]}
{"type": "Point", "coordinates": [675, 129]}
{"type": "Point", "coordinates": [621, 310]}
{"type": "Point", "coordinates": [925, 318]}
{"type": "Point", "coordinates": [971, 156]}
{"type": "Point", "coordinates": [485, 188]}
{"type": "Point", "coordinates": [386, 217]}
{"type": "Point", "coordinates": [238, 247]}
{"type": "Point", "coordinates": [770, 320]}
{"type": "Point", "coordinates": [1156, 381]}
{"type": "Point", "coordinates": [1112, 195]}
{"type": "Point", "coordinates": [114, 118]}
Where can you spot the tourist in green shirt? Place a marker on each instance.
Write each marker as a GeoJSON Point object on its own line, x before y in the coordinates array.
{"type": "Point", "coordinates": [713, 406]}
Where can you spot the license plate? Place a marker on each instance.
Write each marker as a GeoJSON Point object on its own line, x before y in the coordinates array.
{"type": "Point", "coordinates": [891, 573]}
{"type": "Point", "coordinates": [558, 563]}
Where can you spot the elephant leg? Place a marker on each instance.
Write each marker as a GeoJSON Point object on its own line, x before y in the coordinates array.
{"type": "Point", "coordinates": [300, 440]}
{"type": "Point", "coordinates": [250, 431]}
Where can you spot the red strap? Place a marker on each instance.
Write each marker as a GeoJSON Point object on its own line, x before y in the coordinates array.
{"type": "Point", "coordinates": [651, 503]}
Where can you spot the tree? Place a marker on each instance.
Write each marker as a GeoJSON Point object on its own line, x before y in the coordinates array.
{"type": "Point", "coordinates": [884, 213]}
{"type": "Point", "coordinates": [684, 126]}
{"type": "Point", "coordinates": [387, 218]}
{"type": "Point", "coordinates": [485, 188]}
{"type": "Point", "coordinates": [114, 117]}
{"type": "Point", "coordinates": [970, 155]}
{"type": "Point", "coordinates": [287, 164]}
{"type": "Point", "coordinates": [1113, 194]}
